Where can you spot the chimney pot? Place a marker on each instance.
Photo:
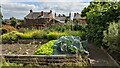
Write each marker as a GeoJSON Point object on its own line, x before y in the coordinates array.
{"type": "Point", "coordinates": [50, 11]}
{"type": "Point", "coordinates": [74, 14]}
{"type": "Point", "coordinates": [55, 14]}
{"type": "Point", "coordinates": [42, 13]}
{"type": "Point", "coordinates": [31, 11]}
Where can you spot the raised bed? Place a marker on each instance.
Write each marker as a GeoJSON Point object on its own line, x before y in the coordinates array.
{"type": "Point", "coordinates": [47, 59]}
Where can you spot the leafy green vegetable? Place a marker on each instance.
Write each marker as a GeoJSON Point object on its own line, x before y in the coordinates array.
{"type": "Point", "coordinates": [46, 49]}
{"type": "Point", "coordinates": [69, 44]}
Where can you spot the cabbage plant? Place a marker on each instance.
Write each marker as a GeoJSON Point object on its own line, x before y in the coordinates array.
{"type": "Point", "coordinates": [69, 45]}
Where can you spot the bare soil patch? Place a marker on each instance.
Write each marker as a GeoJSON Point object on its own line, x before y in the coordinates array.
{"type": "Point", "coordinates": [19, 49]}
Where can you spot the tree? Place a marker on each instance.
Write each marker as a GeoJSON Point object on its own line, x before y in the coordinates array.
{"type": "Point", "coordinates": [112, 37]}
{"type": "Point", "coordinates": [13, 21]}
{"type": "Point", "coordinates": [99, 14]}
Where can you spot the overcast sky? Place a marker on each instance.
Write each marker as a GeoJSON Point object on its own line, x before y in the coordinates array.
{"type": "Point", "coordinates": [20, 8]}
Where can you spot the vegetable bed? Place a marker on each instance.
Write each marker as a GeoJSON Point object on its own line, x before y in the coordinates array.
{"type": "Point", "coordinates": [64, 45]}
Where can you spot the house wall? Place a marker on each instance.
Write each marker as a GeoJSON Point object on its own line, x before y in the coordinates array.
{"type": "Point", "coordinates": [35, 22]}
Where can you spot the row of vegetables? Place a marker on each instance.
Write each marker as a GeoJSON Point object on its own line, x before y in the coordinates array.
{"type": "Point", "coordinates": [39, 34]}
{"type": "Point", "coordinates": [64, 45]}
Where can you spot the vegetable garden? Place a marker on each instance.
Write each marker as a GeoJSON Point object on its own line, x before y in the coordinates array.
{"type": "Point", "coordinates": [64, 45]}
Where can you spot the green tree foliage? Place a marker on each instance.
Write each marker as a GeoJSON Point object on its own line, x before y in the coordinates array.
{"type": "Point", "coordinates": [99, 14]}
{"type": "Point", "coordinates": [13, 21]}
{"type": "Point", "coordinates": [112, 37]}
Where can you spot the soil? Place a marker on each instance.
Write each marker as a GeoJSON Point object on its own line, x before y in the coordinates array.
{"type": "Point", "coordinates": [23, 47]}
{"type": "Point", "coordinates": [19, 49]}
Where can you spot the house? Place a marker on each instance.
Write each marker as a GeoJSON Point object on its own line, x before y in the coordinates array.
{"type": "Point", "coordinates": [78, 19]}
{"type": "Point", "coordinates": [62, 18]}
{"type": "Point", "coordinates": [38, 19]}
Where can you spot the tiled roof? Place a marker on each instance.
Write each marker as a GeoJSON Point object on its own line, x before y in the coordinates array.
{"type": "Point", "coordinates": [35, 15]}
{"type": "Point", "coordinates": [60, 18]}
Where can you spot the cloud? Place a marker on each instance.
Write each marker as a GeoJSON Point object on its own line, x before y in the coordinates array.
{"type": "Point", "coordinates": [3, 1]}
{"type": "Point", "coordinates": [43, 1]}
{"type": "Point", "coordinates": [21, 9]}
{"type": "Point", "coordinates": [16, 9]}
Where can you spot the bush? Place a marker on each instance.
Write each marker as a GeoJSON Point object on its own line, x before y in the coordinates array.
{"type": "Point", "coordinates": [46, 49]}
{"type": "Point", "coordinates": [8, 28]}
{"type": "Point", "coordinates": [34, 34]}
{"type": "Point", "coordinates": [81, 34]}
{"type": "Point", "coordinates": [12, 36]}
{"type": "Point", "coordinates": [3, 31]}
{"type": "Point", "coordinates": [60, 28]}
{"type": "Point", "coordinates": [79, 27]}
{"type": "Point", "coordinates": [112, 37]}
{"type": "Point", "coordinates": [22, 30]}
{"type": "Point", "coordinates": [39, 34]}
{"type": "Point", "coordinates": [54, 35]}
{"type": "Point", "coordinates": [25, 36]}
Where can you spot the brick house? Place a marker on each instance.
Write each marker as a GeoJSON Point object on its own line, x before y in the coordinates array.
{"type": "Point", "coordinates": [62, 18]}
{"type": "Point", "coordinates": [78, 19]}
{"type": "Point", "coordinates": [38, 19]}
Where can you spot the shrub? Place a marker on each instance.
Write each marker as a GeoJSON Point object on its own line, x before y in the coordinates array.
{"type": "Point", "coordinates": [25, 36]}
{"type": "Point", "coordinates": [79, 27]}
{"type": "Point", "coordinates": [112, 37]}
{"type": "Point", "coordinates": [3, 31]}
{"type": "Point", "coordinates": [33, 34]}
{"type": "Point", "coordinates": [12, 36]}
{"type": "Point", "coordinates": [8, 28]}
{"type": "Point", "coordinates": [46, 49]}
{"type": "Point", "coordinates": [81, 34]}
{"type": "Point", "coordinates": [39, 34]}
{"type": "Point", "coordinates": [54, 35]}
{"type": "Point", "coordinates": [22, 30]}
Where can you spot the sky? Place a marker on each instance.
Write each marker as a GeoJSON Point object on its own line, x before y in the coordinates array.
{"type": "Point", "coordinates": [20, 8]}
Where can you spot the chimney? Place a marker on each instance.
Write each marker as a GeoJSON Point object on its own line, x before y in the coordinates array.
{"type": "Point", "coordinates": [69, 14]}
{"type": "Point", "coordinates": [55, 14]}
{"type": "Point", "coordinates": [42, 13]}
{"type": "Point", "coordinates": [74, 14]}
{"type": "Point", "coordinates": [31, 11]}
{"type": "Point", "coordinates": [50, 11]}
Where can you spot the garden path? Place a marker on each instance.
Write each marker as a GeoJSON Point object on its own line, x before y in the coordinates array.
{"type": "Point", "coordinates": [99, 57]}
